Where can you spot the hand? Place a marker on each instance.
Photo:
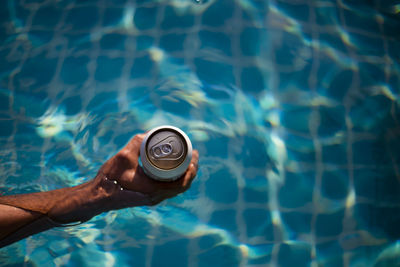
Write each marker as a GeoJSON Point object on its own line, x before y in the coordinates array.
{"type": "Point", "coordinates": [138, 188]}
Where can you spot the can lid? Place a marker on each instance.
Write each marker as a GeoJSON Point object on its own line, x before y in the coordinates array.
{"type": "Point", "coordinates": [166, 149]}
{"type": "Point", "coordinates": [165, 153]}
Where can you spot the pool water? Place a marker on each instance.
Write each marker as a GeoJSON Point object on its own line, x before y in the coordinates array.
{"type": "Point", "coordinates": [294, 107]}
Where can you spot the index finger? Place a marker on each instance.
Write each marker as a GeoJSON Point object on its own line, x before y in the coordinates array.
{"type": "Point", "coordinates": [134, 144]}
{"type": "Point", "coordinates": [192, 170]}
{"type": "Point", "coordinates": [130, 152]}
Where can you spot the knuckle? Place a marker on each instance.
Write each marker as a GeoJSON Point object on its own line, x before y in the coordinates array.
{"type": "Point", "coordinates": [138, 138]}
{"type": "Point", "coordinates": [123, 154]}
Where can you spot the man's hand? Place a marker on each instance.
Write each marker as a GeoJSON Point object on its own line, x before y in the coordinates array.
{"type": "Point", "coordinates": [124, 168]}
{"type": "Point", "coordinates": [120, 183]}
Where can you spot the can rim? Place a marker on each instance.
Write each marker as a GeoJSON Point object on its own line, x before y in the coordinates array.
{"type": "Point", "coordinates": [160, 174]}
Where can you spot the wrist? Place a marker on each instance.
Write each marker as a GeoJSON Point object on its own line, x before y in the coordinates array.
{"type": "Point", "coordinates": [81, 203]}
{"type": "Point", "coordinates": [102, 194]}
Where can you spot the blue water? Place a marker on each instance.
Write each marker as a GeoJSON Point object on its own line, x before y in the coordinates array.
{"type": "Point", "coordinates": [294, 107]}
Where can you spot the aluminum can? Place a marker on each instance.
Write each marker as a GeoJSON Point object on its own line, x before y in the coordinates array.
{"type": "Point", "coordinates": [165, 153]}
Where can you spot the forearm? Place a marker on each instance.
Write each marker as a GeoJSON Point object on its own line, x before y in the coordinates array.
{"type": "Point", "coordinates": [12, 218]}
{"type": "Point", "coordinates": [27, 214]}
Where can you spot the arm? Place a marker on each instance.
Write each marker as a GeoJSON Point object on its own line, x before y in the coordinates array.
{"type": "Point", "coordinates": [28, 214]}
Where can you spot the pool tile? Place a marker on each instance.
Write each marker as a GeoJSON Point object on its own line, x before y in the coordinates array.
{"type": "Point", "coordinates": [109, 69]}
{"type": "Point", "coordinates": [222, 187]}
{"type": "Point", "coordinates": [329, 224]}
{"type": "Point", "coordinates": [145, 17]}
{"type": "Point", "coordinates": [173, 20]}
{"type": "Point", "coordinates": [213, 15]}
{"type": "Point", "coordinates": [294, 254]}
{"type": "Point", "coordinates": [258, 223]}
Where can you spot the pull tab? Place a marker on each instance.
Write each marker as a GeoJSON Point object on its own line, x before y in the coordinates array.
{"type": "Point", "coordinates": [162, 150]}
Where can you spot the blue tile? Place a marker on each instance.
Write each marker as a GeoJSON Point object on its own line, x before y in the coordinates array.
{"type": "Point", "coordinates": [297, 190]}
{"type": "Point", "coordinates": [332, 121]}
{"type": "Point", "coordinates": [128, 255]}
{"type": "Point", "coordinates": [217, 146]}
{"type": "Point", "coordinates": [225, 219]}
{"type": "Point", "coordinates": [6, 127]}
{"type": "Point", "coordinates": [379, 220]}
{"type": "Point", "coordinates": [34, 104]}
{"type": "Point", "coordinates": [40, 69]}
{"type": "Point", "coordinates": [253, 153]}
{"type": "Point", "coordinates": [105, 102]}
{"type": "Point", "coordinates": [215, 92]}
{"type": "Point", "coordinates": [74, 70]}
{"type": "Point", "coordinates": [293, 119]}
{"type": "Point", "coordinates": [301, 156]}
{"type": "Point", "coordinates": [222, 255]}
{"type": "Point", "coordinates": [144, 42]}
{"type": "Point", "coordinates": [218, 13]}
{"type": "Point", "coordinates": [172, 253]}
{"type": "Point", "coordinates": [258, 223]}
{"type": "Point", "coordinates": [77, 41]}
{"type": "Point", "coordinates": [142, 67]}
{"type": "Point", "coordinates": [214, 72]}
{"type": "Point", "coordinates": [391, 26]}
{"type": "Point", "coordinates": [256, 190]}
{"type": "Point", "coordinates": [47, 16]}
{"type": "Point", "coordinates": [216, 41]}
{"type": "Point", "coordinates": [368, 152]}
{"type": "Point", "coordinates": [299, 78]}
{"type": "Point", "coordinates": [174, 20]}
{"type": "Point", "coordinates": [388, 257]}
{"type": "Point", "coordinates": [287, 53]}
{"type": "Point", "coordinates": [371, 74]}
{"type": "Point", "coordinates": [380, 185]}
{"type": "Point", "coordinates": [362, 20]}
{"type": "Point", "coordinates": [73, 105]}
{"type": "Point", "coordinates": [330, 253]}
{"type": "Point", "coordinates": [112, 16]}
{"type": "Point", "coordinates": [294, 254]}
{"type": "Point", "coordinates": [145, 18]}
{"type": "Point", "coordinates": [335, 184]}
{"type": "Point", "coordinates": [108, 69]}
{"type": "Point", "coordinates": [339, 84]}
{"type": "Point", "coordinates": [250, 41]}
{"type": "Point", "coordinates": [256, 14]}
{"type": "Point", "coordinates": [4, 18]}
{"type": "Point", "coordinates": [369, 112]}
{"type": "Point", "coordinates": [82, 18]}
{"type": "Point", "coordinates": [264, 259]}
{"type": "Point", "coordinates": [297, 11]}
{"type": "Point", "coordinates": [334, 41]}
{"type": "Point", "coordinates": [122, 139]}
{"type": "Point", "coordinates": [297, 222]}
{"type": "Point", "coordinates": [369, 46]}
{"type": "Point", "coordinates": [300, 148]}
{"type": "Point", "coordinates": [4, 101]}
{"type": "Point", "coordinates": [39, 38]}
{"type": "Point", "coordinates": [222, 187]}
{"type": "Point", "coordinates": [252, 80]}
{"type": "Point", "coordinates": [335, 154]}
{"type": "Point", "coordinates": [113, 41]}
{"type": "Point", "coordinates": [172, 42]}
{"type": "Point", "coordinates": [329, 224]}
{"type": "Point", "coordinates": [209, 241]}
{"type": "Point", "coordinates": [176, 106]}
{"type": "Point", "coordinates": [19, 14]}
{"type": "Point", "coordinates": [327, 16]}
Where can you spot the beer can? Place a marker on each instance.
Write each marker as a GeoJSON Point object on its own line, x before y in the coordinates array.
{"type": "Point", "coordinates": [165, 153]}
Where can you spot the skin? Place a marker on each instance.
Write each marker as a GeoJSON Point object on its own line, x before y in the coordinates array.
{"type": "Point", "coordinates": [28, 214]}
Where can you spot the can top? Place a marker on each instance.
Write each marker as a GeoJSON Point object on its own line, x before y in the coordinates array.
{"type": "Point", "coordinates": [165, 153]}
{"type": "Point", "coordinates": [166, 149]}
